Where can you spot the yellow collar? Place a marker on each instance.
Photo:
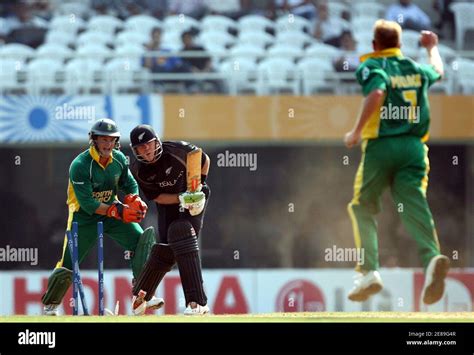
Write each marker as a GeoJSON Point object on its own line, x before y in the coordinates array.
{"type": "Point", "coordinates": [96, 156]}
{"type": "Point", "coordinates": [388, 52]}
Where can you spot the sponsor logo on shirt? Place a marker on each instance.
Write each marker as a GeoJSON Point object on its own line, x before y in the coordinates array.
{"type": "Point", "coordinates": [102, 196]}
{"type": "Point", "coordinates": [169, 183]}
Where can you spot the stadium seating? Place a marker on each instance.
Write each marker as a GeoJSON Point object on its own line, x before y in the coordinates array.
{"type": "Point", "coordinates": [218, 23]}
{"type": "Point", "coordinates": [42, 76]}
{"type": "Point", "coordinates": [83, 76]}
{"type": "Point", "coordinates": [54, 51]}
{"type": "Point", "coordinates": [322, 51]}
{"type": "Point", "coordinates": [464, 15]}
{"type": "Point", "coordinates": [69, 24]}
{"type": "Point", "coordinates": [171, 40]}
{"type": "Point", "coordinates": [123, 75]}
{"type": "Point", "coordinates": [258, 38]}
{"type": "Point", "coordinates": [94, 37]}
{"type": "Point", "coordinates": [296, 39]}
{"type": "Point", "coordinates": [135, 37]}
{"type": "Point", "coordinates": [276, 75]}
{"type": "Point", "coordinates": [80, 9]}
{"type": "Point", "coordinates": [94, 51]}
{"type": "Point", "coordinates": [284, 51]}
{"type": "Point", "coordinates": [217, 37]}
{"type": "Point", "coordinates": [142, 23]}
{"type": "Point", "coordinates": [9, 69]}
{"type": "Point", "coordinates": [247, 51]}
{"type": "Point", "coordinates": [216, 51]}
{"type": "Point", "coordinates": [313, 72]}
{"type": "Point", "coordinates": [292, 22]}
{"type": "Point", "coordinates": [241, 75]}
{"type": "Point", "coordinates": [362, 24]}
{"type": "Point", "coordinates": [131, 51]}
{"type": "Point", "coordinates": [180, 23]}
{"type": "Point", "coordinates": [260, 45]}
{"type": "Point", "coordinates": [464, 69]}
{"type": "Point", "coordinates": [256, 23]}
{"type": "Point", "coordinates": [367, 9]}
{"type": "Point", "coordinates": [60, 37]}
{"type": "Point", "coordinates": [336, 9]}
{"type": "Point", "coordinates": [104, 23]}
{"type": "Point", "coordinates": [410, 39]}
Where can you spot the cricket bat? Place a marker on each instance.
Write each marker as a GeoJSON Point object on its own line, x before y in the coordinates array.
{"type": "Point", "coordinates": [193, 169]}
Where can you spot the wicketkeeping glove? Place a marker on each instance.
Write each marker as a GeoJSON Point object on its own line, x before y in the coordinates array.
{"type": "Point", "coordinates": [135, 202]}
{"type": "Point", "coordinates": [124, 213]}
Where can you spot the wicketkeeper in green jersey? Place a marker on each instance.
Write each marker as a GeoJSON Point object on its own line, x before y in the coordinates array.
{"type": "Point", "coordinates": [95, 176]}
{"type": "Point", "coordinates": [393, 127]}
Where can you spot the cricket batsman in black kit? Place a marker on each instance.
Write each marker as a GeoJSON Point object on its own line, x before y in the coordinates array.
{"type": "Point", "coordinates": [160, 170]}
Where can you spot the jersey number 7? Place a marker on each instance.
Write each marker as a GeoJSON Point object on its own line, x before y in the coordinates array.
{"type": "Point", "coordinates": [410, 97]}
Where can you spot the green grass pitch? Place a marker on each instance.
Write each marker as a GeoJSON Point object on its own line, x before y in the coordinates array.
{"type": "Point", "coordinates": [311, 317]}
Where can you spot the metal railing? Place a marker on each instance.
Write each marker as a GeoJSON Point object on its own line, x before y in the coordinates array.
{"type": "Point", "coordinates": [105, 81]}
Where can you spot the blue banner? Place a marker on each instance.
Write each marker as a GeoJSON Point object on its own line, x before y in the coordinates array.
{"type": "Point", "coordinates": [54, 119]}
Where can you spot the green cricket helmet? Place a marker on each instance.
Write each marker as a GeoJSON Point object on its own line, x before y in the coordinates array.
{"type": "Point", "coordinates": [104, 127]}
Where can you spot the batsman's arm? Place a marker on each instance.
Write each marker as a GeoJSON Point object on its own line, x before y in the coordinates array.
{"type": "Point", "coordinates": [167, 199]}
{"type": "Point", "coordinates": [173, 199]}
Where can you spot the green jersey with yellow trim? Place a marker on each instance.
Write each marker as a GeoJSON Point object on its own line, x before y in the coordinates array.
{"type": "Point", "coordinates": [406, 108]}
{"type": "Point", "coordinates": [91, 183]}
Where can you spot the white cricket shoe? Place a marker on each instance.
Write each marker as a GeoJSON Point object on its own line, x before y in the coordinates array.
{"type": "Point", "coordinates": [155, 303]}
{"type": "Point", "coordinates": [139, 304]}
{"type": "Point", "coordinates": [434, 279]}
{"type": "Point", "coordinates": [51, 310]}
{"type": "Point", "coordinates": [365, 285]}
{"type": "Point", "coordinates": [195, 309]}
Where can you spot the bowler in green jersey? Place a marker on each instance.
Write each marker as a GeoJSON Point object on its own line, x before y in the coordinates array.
{"type": "Point", "coordinates": [393, 127]}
